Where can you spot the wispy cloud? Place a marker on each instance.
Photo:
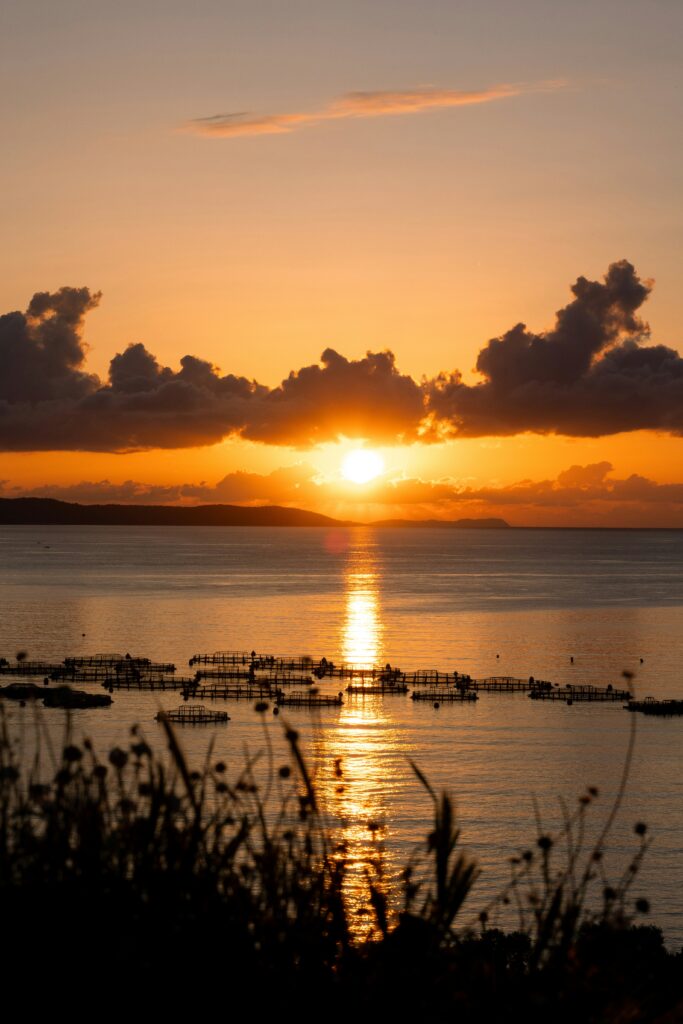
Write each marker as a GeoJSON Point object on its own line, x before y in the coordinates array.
{"type": "Point", "coordinates": [360, 104]}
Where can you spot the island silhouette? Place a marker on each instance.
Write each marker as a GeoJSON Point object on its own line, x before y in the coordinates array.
{"type": "Point", "coordinates": [50, 512]}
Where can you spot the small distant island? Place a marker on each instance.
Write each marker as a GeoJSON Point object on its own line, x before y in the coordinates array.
{"type": "Point", "coordinates": [50, 512]}
{"type": "Point", "coordinates": [460, 524]}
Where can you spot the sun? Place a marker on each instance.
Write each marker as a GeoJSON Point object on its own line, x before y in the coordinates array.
{"type": "Point", "coordinates": [362, 466]}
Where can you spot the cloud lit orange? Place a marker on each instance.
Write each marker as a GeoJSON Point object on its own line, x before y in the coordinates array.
{"type": "Point", "coordinates": [381, 103]}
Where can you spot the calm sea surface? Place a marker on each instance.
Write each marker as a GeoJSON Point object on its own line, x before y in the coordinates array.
{"type": "Point", "coordinates": [518, 602]}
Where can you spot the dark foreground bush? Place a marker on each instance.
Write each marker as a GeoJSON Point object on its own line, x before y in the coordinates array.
{"type": "Point", "coordinates": [130, 887]}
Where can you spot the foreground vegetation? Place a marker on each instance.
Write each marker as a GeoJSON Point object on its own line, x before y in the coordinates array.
{"type": "Point", "coordinates": [137, 884]}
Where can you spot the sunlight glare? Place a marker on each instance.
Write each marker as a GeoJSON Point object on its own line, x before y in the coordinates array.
{"type": "Point", "coordinates": [361, 466]}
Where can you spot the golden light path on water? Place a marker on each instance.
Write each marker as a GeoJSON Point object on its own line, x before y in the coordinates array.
{"type": "Point", "coordinates": [362, 629]}
{"type": "Point", "coordinates": [356, 784]}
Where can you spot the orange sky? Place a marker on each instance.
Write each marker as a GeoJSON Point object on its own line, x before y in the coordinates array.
{"type": "Point", "coordinates": [252, 185]}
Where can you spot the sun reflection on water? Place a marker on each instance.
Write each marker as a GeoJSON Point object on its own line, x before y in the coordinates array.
{"type": "Point", "coordinates": [362, 633]}
{"type": "Point", "coordinates": [362, 630]}
{"type": "Point", "coordinates": [360, 752]}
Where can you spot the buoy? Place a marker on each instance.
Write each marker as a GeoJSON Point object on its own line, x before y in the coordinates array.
{"type": "Point", "coordinates": [436, 704]}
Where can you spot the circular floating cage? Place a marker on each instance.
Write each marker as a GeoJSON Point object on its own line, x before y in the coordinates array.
{"type": "Point", "coordinates": [193, 714]}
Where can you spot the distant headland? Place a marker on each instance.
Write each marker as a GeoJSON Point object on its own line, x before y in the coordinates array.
{"type": "Point", "coordinates": [461, 524]}
{"type": "Point", "coordinates": [50, 512]}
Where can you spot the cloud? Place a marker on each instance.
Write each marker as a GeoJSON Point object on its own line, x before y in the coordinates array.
{"type": "Point", "coordinates": [580, 495]}
{"type": "Point", "coordinates": [47, 402]}
{"type": "Point", "coordinates": [41, 352]}
{"type": "Point", "coordinates": [359, 104]}
{"type": "Point", "coordinates": [286, 485]}
{"type": "Point", "coordinates": [585, 476]}
{"type": "Point", "coordinates": [358, 398]}
{"type": "Point", "coordinates": [588, 376]}
{"type": "Point", "coordinates": [283, 485]}
{"type": "Point", "coordinates": [579, 488]}
{"type": "Point", "coordinates": [591, 374]}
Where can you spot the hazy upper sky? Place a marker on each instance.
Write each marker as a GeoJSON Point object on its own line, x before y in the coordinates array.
{"type": "Point", "coordinates": [254, 183]}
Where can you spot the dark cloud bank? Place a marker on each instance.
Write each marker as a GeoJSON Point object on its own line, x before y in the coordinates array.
{"type": "Point", "coordinates": [592, 374]}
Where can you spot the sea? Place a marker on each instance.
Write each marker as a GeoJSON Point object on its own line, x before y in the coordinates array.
{"type": "Point", "coordinates": [568, 606]}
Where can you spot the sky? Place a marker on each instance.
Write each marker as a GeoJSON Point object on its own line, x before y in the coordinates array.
{"type": "Point", "coordinates": [244, 240]}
